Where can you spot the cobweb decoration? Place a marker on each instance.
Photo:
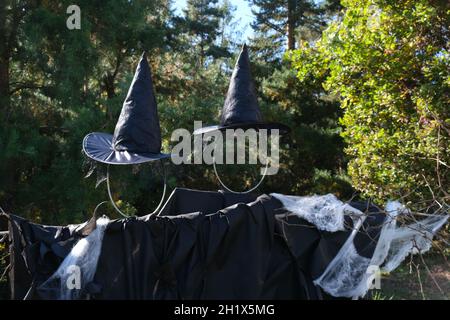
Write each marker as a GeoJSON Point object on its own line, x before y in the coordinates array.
{"type": "Point", "coordinates": [346, 275]}
{"type": "Point", "coordinates": [81, 261]}
{"type": "Point", "coordinates": [91, 166]}
{"type": "Point", "coordinates": [414, 238]}
{"type": "Point", "coordinates": [350, 274]}
{"type": "Point", "coordinates": [325, 212]}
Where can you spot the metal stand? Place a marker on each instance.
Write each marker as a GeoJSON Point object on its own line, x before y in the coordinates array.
{"type": "Point", "coordinates": [108, 185]}
{"type": "Point", "coordinates": [240, 192]}
{"type": "Point", "coordinates": [4, 235]}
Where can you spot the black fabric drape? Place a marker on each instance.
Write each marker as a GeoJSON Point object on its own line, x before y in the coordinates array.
{"type": "Point", "coordinates": [204, 245]}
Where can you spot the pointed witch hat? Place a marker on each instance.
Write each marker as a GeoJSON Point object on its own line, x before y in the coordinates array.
{"type": "Point", "coordinates": [137, 136]}
{"type": "Point", "coordinates": [241, 109]}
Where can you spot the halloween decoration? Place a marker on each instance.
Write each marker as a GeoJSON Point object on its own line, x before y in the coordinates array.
{"type": "Point", "coordinates": [137, 136]}
{"type": "Point", "coordinates": [205, 244]}
{"type": "Point", "coordinates": [241, 109]}
{"type": "Point", "coordinates": [215, 245]}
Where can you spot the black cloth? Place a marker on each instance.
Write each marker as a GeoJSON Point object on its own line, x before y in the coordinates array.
{"type": "Point", "coordinates": [36, 251]}
{"type": "Point", "coordinates": [204, 245]}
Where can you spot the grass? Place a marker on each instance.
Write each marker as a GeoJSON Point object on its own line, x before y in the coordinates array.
{"type": "Point", "coordinates": [4, 288]}
{"type": "Point", "coordinates": [418, 278]}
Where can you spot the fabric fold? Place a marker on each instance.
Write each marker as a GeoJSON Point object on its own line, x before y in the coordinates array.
{"type": "Point", "coordinates": [217, 245]}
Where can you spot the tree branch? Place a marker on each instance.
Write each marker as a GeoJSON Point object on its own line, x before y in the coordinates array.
{"type": "Point", "coordinates": [22, 86]}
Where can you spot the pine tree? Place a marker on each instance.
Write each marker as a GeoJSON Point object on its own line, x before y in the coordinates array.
{"type": "Point", "coordinates": [315, 156]}
{"type": "Point", "coordinates": [202, 23]}
{"type": "Point", "coordinates": [281, 18]}
{"type": "Point", "coordinates": [58, 85]}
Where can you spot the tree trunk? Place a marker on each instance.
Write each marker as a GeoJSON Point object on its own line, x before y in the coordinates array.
{"type": "Point", "coordinates": [109, 86]}
{"type": "Point", "coordinates": [291, 25]}
{"type": "Point", "coordinates": [4, 61]}
{"type": "Point", "coordinates": [202, 52]}
{"type": "Point", "coordinates": [4, 83]}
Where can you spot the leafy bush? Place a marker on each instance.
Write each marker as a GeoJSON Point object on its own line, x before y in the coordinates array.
{"type": "Point", "coordinates": [390, 64]}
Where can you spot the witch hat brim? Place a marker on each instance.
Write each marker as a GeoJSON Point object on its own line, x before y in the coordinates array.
{"type": "Point", "coordinates": [98, 146]}
{"type": "Point", "coordinates": [269, 126]}
{"type": "Point", "coordinates": [137, 136]}
{"type": "Point", "coordinates": [241, 109]}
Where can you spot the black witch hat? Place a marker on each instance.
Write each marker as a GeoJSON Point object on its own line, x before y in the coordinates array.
{"type": "Point", "coordinates": [137, 136]}
{"type": "Point", "coordinates": [241, 109]}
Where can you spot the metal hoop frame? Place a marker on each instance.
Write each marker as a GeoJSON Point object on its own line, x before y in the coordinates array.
{"type": "Point", "coordinates": [239, 192]}
{"type": "Point", "coordinates": [97, 207]}
{"type": "Point", "coordinates": [108, 185]}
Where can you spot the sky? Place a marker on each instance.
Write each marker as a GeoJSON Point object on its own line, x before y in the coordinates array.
{"type": "Point", "coordinates": [242, 12]}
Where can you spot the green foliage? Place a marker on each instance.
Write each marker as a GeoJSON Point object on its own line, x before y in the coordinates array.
{"type": "Point", "coordinates": [4, 292]}
{"type": "Point", "coordinates": [276, 20]}
{"type": "Point", "coordinates": [314, 144]}
{"type": "Point", "coordinates": [63, 84]}
{"type": "Point", "coordinates": [203, 27]}
{"type": "Point", "coordinates": [389, 63]}
{"type": "Point", "coordinates": [67, 83]}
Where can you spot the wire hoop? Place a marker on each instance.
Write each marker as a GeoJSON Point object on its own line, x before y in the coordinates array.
{"type": "Point", "coordinates": [97, 207]}
{"type": "Point", "coordinates": [108, 185]}
{"type": "Point", "coordinates": [240, 192]}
